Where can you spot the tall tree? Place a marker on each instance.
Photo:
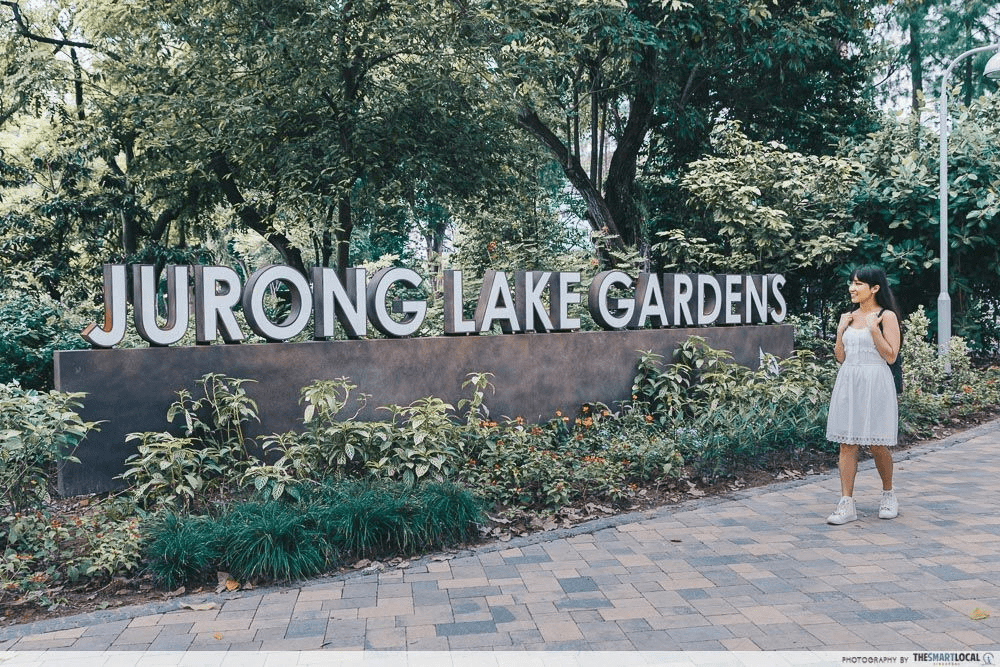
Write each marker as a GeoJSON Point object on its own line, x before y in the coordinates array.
{"type": "Point", "coordinates": [663, 73]}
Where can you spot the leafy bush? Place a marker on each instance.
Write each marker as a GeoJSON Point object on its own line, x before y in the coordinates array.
{"type": "Point", "coordinates": [421, 441]}
{"type": "Point", "coordinates": [725, 415]}
{"type": "Point", "coordinates": [42, 552]}
{"type": "Point", "coordinates": [32, 327]}
{"type": "Point", "coordinates": [38, 431]}
{"type": "Point", "coordinates": [930, 394]}
{"type": "Point", "coordinates": [214, 455]}
{"type": "Point", "coordinates": [596, 456]}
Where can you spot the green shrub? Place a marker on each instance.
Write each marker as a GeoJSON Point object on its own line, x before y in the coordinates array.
{"type": "Point", "coordinates": [38, 431]}
{"type": "Point", "coordinates": [41, 552]}
{"type": "Point", "coordinates": [596, 456]}
{"type": "Point", "coordinates": [420, 441]}
{"type": "Point", "coordinates": [448, 515]}
{"type": "Point", "coordinates": [32, 327]}
{"type": "Point", "coordinates": [930, 395]}
{"type": "Point", "coordinates": [725, 415]}
{"type": "Point", "coordinates": [211, 459]}
{"type": "Point", "coordinates": [167, 471]}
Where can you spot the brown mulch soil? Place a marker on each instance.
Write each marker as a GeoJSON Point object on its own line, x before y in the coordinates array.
{"type": "Point", "coordinates": [503, 527]}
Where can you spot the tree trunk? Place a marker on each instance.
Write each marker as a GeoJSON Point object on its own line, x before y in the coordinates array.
{"type": "Point", "coordinates": [619, 190]}
{"type": "Point", "coordinates": [345, 225]}
{"type": "Point", "coordinates": [916, 64]}
{"type": "Point", "coordinates": [252, 217]}
{"type": "Point", "coordinates": [599, 215]}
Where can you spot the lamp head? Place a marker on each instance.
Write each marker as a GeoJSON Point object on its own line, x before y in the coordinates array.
{"type": "Point", "coordinates": [992, 70]}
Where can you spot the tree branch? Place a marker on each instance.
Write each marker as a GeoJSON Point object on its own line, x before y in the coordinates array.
{"type": "Point", "coordinates": [600, 216]}
{"type": "Point", "coordinates": [23, 29]}
{"type": "Point", "coordinates": [251, 217]}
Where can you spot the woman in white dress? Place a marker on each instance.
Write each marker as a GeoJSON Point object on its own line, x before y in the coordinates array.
{"type": "Point", "coordinates": [863, 409]}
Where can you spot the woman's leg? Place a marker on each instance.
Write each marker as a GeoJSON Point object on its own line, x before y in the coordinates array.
{"type": "Point", "coordinates": [883, 463]}
{"type": "Point", "coordinates": [848, 465]}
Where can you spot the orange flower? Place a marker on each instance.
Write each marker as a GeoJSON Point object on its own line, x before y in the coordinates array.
{"type": "Point", "coordinates": [588, 422]}
{"type": "Point", "coordinates": [967, 389]}
{"type": "Point", "coordinates": [585, 408]}
{"type": "Point", "coordinates": [649, 418]}
{"type": "Point", "coordinates": [558, 413]}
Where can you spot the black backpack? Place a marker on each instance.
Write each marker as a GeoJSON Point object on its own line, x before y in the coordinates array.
{"type": "Point", "coordinates": [897, 366]}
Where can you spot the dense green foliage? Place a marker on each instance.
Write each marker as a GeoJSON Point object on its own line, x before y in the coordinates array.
{"type": "Point", "coordinates": [493, 135]}
{"type": "Point", "coordinates": [38, 431]}
{"type": "Point", "coordinates": [202, 500]}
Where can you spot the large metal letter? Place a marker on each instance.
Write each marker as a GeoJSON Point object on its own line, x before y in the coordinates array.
{"type": "Point", "coordinates": [496, 304]}
{"type": "Point", "coordinates": [144, 304]}
{"type": "Point", "coordinates": [610, 312]}
{"type": "Point", "coordinates": [345, 302]}
{"type": "Point", "coordinates": [115, 310]}
{"type": "Point", "coordinates": [454, 303]}
{"type": "Point", "coordinates": [777, 282]}
{"type": "Point", "coordinates": [755, 299]}
{"type": "Point", "coordinates": [560, 299]}
{"type": "Point", "coordinates": [212, 307]}
{"type": "Point", "coordinates": [709, 307]}
{"type": "Point", "coordinates": [253, 302]}
{"type": "Point", "coordinates": [378, 288]}
{"type": "Point", "coordinates": [681, 288]}
{"type": "Point", "coordinates": [733, 297]}
{"type": "Point", "coordinates": [528, 288]}
{"type": "Point", "coordinates": [649, 297]}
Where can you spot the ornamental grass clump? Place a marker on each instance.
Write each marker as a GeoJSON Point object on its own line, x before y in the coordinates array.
{"type": "Point", "coordinates": [447, 514]}
{"type": "Point", "coordinates": [181, 549]}
{"type": "Point", "coordinates": [271, 540]}
{"type": "Point", "coordinates": [368, 519]}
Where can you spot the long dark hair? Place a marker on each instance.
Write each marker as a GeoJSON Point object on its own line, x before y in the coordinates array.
{"type": "Point", "coordinates": [872, 276]}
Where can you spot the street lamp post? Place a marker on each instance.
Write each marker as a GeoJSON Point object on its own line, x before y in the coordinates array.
{"type": "Point", "coordinates": [944, 300]}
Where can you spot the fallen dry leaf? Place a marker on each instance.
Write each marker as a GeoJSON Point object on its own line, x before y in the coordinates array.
{"type": "Point", "coordinates": [226, 582]}
{"type": "Point", "coordinates": [217, 635]}
{"type": "Point", "coordinates": [202, 606]}
{"type": "Point", "coordinates": [979, 614]}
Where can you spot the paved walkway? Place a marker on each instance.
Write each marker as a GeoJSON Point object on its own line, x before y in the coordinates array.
{"type": "Point", "coordinates": [753, 570]}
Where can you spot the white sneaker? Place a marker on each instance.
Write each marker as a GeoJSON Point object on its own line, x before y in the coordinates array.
{"type": "Point", "coordinates": [889, 507]}
{"type": "Point", "coordinates": [845, 512]}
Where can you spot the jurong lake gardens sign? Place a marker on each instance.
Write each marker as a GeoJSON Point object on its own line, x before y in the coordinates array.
{"type": "Point", "coordinates": [549, 364]}
{"type": "Point", "coordinates": [515, 303]}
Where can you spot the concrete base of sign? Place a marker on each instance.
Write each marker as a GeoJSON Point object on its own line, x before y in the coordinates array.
{"type": "Point", "coordinates": [129, 390]}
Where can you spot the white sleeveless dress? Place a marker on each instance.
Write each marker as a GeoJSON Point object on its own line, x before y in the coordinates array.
{"type": "Point", "coordinates": [863, 408]}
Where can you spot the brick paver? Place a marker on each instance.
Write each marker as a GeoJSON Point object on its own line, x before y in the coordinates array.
{"type": "Point", "coordinates": [756, 570]}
